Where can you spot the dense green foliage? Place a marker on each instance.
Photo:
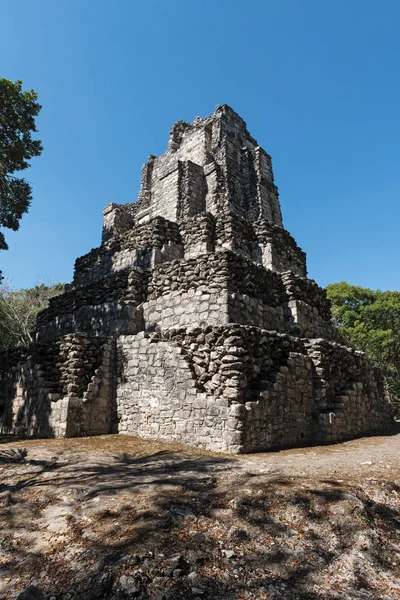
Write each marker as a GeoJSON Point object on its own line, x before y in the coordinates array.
{"type": "Point", "coordinates": [18, 310]}
{"type": "Point", "coordinates": [370, 321]}
{"type": "Point", "coordinates": [18, 110]}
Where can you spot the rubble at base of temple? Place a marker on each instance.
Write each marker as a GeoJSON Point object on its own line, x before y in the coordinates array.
{"type": "Point", "coordinates": [194, 320]}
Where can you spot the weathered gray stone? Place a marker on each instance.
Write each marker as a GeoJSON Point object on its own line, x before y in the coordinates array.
{"type": "Point", "coordinates": [194, 320]}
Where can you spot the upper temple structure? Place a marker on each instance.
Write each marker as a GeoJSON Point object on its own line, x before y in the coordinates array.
{"type": "Point", "coordinates": [194, 320]}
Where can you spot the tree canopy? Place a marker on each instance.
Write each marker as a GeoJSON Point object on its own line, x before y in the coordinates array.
{"type": "Point", "coordinates": [370, 321]}
{"type": "Point", "coordinates": [18, 310]}
{"type": "Point", "coordinates": [18, 110]}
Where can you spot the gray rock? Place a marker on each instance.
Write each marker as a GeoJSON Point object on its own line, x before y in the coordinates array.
{"type": "Point", "coordinates": [197, 302]}
{"type": "Point", "coordinates": [31, 593]}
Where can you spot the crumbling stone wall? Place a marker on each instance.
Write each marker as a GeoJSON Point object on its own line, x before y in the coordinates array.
{"type": "Point", "coordinates": [57, 388]}
{"type": "Point", "coordinates": [29, 381]}
{"type": "Point", "coordinates": [266, 377]}
{"type": "Point", "coordinates": [129, 286]}
{"type": "Point", "coordinates": [198, 234]}
{"type": "Point", "coordinates": [146, 245]}
{"type": "Point", "coordinates": [232, 174]}
{"type": "Point", "coordinates": [194, 319]}
{"type": "Point", "coordinates": [349, 393]}
{"type": "Point", "coordinates": [241, 389]}
{"type": "Point", "coordinates": [308, 308]}
{"type": "Point", "coordinates": [157, 396]}
{"type": "Point", "coordinates": [278, 249]}
{"type": "Point", "coordinates": [221, 287]}
{"type": "Point", "coordinates": [117, 219]}
{"type": "Point", "coordinates": [100, 320]}
{"type": "Point", "coordinates": [101, 308]}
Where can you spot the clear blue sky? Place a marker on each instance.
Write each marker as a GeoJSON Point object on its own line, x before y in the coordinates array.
{"type": "Point", "coordinates": [317, 82]}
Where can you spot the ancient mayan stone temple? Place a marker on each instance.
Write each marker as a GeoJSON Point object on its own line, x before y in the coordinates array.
{"type": "Point", "coordinates": [194, 320]}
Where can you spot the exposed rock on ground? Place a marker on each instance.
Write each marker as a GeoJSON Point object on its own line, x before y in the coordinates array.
{"type": "Point", "coordinates": [118, 517]}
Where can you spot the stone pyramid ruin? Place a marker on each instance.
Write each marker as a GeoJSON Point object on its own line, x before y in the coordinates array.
{"type": "Point", "coordinates": [194, 319]}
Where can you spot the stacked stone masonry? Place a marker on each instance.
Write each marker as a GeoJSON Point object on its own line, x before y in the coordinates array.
{"type": "Point", "coordinates": [194, 320]}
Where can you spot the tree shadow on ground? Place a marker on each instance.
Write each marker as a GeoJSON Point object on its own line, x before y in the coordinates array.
{"type": "Point", "coordinates": [168, 525]}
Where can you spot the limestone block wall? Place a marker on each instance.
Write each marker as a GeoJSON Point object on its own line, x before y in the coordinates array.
{"type": "Point", "coordinates": [228, 170]}
{"type": "Point", "coordinates": [235, 233]}
{"type": "Point", "coordinates": [129, 286]}
{"type": "Point", "coordinates": [305, 321]}
{"type": "Point", "coordinates": [215, 192]}
{"type": "Point", "coordinates": [277, 249]}
{"type": "Point", "coordinates": [61, 388]}
{"type": "Point", "coordinates": [198, 235]}
{"type": "Point", "coordinates": [247, 169]}
{"type": "Point", "coordinates": [270, 386]}
{"type": "Point", "coordinates": [158, 397]}
{"type": "Point", "coordinates": [229, 387]}
{"type": "Point", "coordinates": [99, 320]}
{"type": "Point", "coordinates": [217, 288]}
{"type": "Point", "coordinates": [191, 141]}
{"type": "Point", "coordinates": [262, 241]}
{"type": "Point", "coordinates": [111, 262]}
{"type": "Point", "coordinates": [117, 218]}
{"type": "Point", "coordinates": [27, 387]}
{"type": "Point", "coordinates": [160, 240]}
{"type": "Point", "coordinates": [282, 414]}
{"type": "Point", "coordinates": [306, 290]}
{"type": "Point", "coordinates": [357, 411]}
{"type": "Point", "coordinates": [227, 359]}
{"type": "Point", "coordinates": [198, 306]}
{"type": "Point", "coordinates": [143, 246]}
{"type": "Point", "coordinates": [207, 272]}
{"type": "Point", "coordinates": [101, 308]}
{"type": "Point", "coordinates": [255, 296]}
{"type": "Point", "coordinates": [349, 393]}
{"type": "Point", "coordinates": [194, 320]}
{"type": "Point", "coordinates": [180, 309]}
{"type": "Point", "coordinates": [266, 377]}
{"type": "Point", "coordinates": [309, 310]}
{"type": "Point", "coordinates": [248, 310]}
{"type": "Point", "coordinates": [226, 287]}
{"type": "Point", "coordinates": [251, 194]}
{"type": "Point", "coordinates": [165, 187]}
{"type": "Point", "coordinates": [192, 190]}
{"type": "Point", "coordinates": [219, 271]}
{"type": "Point", "coordinates": [155, 234]}
{"type": "Point", "coordinates": [97, 257]}
{"type": "Point", "coordinates": [93, 412]}
{"type": "Point", "coordinates": [267, 191]}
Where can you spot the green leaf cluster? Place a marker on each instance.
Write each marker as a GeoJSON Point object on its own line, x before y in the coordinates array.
{"type": "Point", "coordinates": [18, 110]}
{"type": "Point", "coordinates": [369, 320]}
{"type": "Point", "coordinates": [18, 311]}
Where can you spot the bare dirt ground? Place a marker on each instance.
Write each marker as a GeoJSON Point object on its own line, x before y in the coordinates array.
{"type": "Point", "coordinates": [118, 517]}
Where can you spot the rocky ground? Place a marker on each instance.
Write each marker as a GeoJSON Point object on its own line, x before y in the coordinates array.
{"type": "Point", "coordinates": [119, 517]}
